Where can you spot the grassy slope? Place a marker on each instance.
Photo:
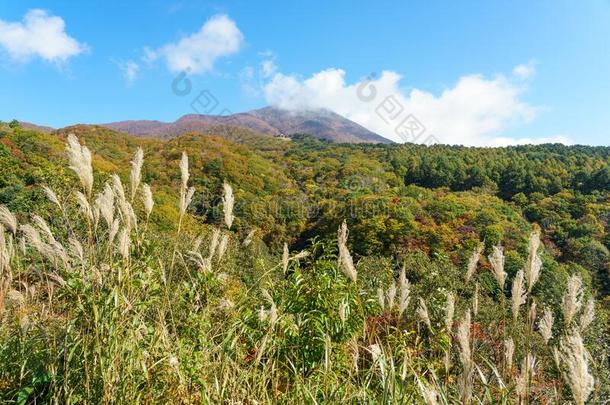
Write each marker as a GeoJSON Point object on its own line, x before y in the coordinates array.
{"type": "Point", "coordinates": [183, 312]}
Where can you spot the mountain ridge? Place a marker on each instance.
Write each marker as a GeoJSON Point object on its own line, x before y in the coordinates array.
{"type": "Point", "coordinates": [271, 121]}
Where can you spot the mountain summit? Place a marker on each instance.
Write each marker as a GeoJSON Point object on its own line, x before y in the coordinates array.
{"type": "Point", "coordinates": [270, 121]}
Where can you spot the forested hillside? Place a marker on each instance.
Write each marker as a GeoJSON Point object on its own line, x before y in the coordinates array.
{"type": "Point", "coordinates": [413, 212]}
{"type": "Point", "coordinates": [438, 199]}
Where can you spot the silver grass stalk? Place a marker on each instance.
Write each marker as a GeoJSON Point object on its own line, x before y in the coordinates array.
{"type": "Point", "coordinates": [80, 162]}
{"type": "Point", "coordinates": [223, 277]}
{"type": "Point", "coordinates": [3, 248]}
{"type": "Point", "coordinates": [484, 379]}
{"type": "Point", "coordinates": [133, 219]}
{"type": "Point", "coordinates": [521, 383]}
{"type": "Point", "coordinates": [197, 243]}
{"type": "Point", "coordinates": [57, 278]}
{"type": "Point", "coordinates": [346, 264]}
{"type": "Point", "coordinates": [114, 229]}
{"type": "Point", "coordinates": [534, 243]}
{"type": "Point", "coordinates": [14, 299]}
{"type": "Point", "coordinates": [535, 272]}
{"type": "Point", "coordinates": [228, 201]}
{"type": "Point", "coordinates": [473, 262]}
{"type": "Point", "coordinates": [44, 227]}
{"type": "Point", "coordinates": [588, 315]}
{"type": "Point", "coordinates": [25, 323]}
{"type": "Point", "coordinates": [285, 257]}
{"type": "Point", "coordinates": [127, 213]}
{"type": "Point", "coordinates": [136, 172]}
{"type": "Point", "coordinates": [447, 359]}
{"type": "Point", "coordinates": [557, 358]}
{"type": "Point", "coordinates": [518, 294]}
{"type": "Point", "coordinates": [104, 204]}
{"type": "Point", "coordinates": [119, 193]}
{"type": "Point", "coordinates": [545, 326]}
{"type": "Point", "coordinates": [532, 314]}
{"type": "Point", "coordinates": [60, 254]}
{"type": "Point", "coordinates": [572, 299]}
{"type": "Point", "coordinates": [272, 312]}
{"type": "Point", "coordinates": [173, 362]}
{"type": "Point", "coordinates": [375, 351]}
{"type": "Point", "coordinates": [52, 196]}
{"type": "Point", "coordinates": [475, 300]}
{"type": "Point", "coordinates": [463, 338]}
{"type": "Point", "coordinates": [527, 372]}
{"type": "Point", "coordinates": [222, 247]}
{"type": "Point", "coordinates": [378, 358]}
{"type": "Point", "coordinates": [184, 170]}
{"type": "Point", "coordinates": [185, 194]}
{"type": "Point", "coordinates": [96, 214]}
{"type": "Point", "coordinates": [509, 353]}
{"type": "Point", "coordinates": [214, 243]}
{"type": "Point", "coordinates": [147, 200]}
{"type": "Point", "coordinates": [302, 254]}
{"type": "Point", "coordinates": [575, 357]}
{"type": "Point", "coordinates": [248, 239]}
{"type": "Point", "coordinates": [449, 312]}
{"type": "Point", "coordinates": [262, 314]}
{"type": "Point", "coordinates": [534, 263]}
{"type": "Point", "coordinates": [8, 219]}
{"type": "Point", "coordinates": [52, 248]}
{"type": "Point", "coordinates": [76, 249]}
{"type": "Point", "coordinates": [343, 311]}
{"type": "Point", "coordinates": [327, 351]}
{"type": "Point", "coordinates": [203, 263]}
{"type": "Point", "coordinates": [496, 259]}
{"type": "Point", "coordinates": [185, 199]}
{"type": "Point", "coordinates": [119, 190]}
{"type": "Point", "coordinates": [422, 312]}
{"type": "Point", "coordinates": [391, 296]}
{"type": "Point", "coordinates": [405, 291]}
{"type": "Point", "coordinates": [429, 394]}
{"type": "Point", "coordinates": [32, 236]}
{"type": "Point", "coordinates": [381, 298]}
{"type": "Point", "coordinates": [84, 205]}
{"type": "Point", "coordinates": [5, 255]}
{"type": "Point", "coordinates": [354, 353]}
{"type": "Point", "coordinates": [124, 243]}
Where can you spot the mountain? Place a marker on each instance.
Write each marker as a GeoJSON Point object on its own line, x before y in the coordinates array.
{"type": "Point", "coordinates": [270, 121]}
{"type": "Point", "coordinates": [322, 124]}
{"type": "Point", "coordinates": [40, 128]}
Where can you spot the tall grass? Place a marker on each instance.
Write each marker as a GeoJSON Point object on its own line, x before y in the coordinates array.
{"type": "Point", "coordinates": [96, 309]}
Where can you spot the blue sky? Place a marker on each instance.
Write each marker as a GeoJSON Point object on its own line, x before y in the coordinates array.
{"type": "Point", "coordinates": [477, 73]}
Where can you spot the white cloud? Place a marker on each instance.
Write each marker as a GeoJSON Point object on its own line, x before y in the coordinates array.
{"type": "Point", "coordinates": [504, 141]}
{"type": "Point", "coordinates": [198, 52]}
{"type": "Point", "coordinates": [247, 73]}
{"type": "Point", "coordinates": [474, 111]}
{"type": "Point", "coordinates": [38, 35]}
{"type": "Point", "coordinates": [247, 79]}
{"type": "Point", "coordinates": [268, 68]}
{"type": "Point", "coordinates": [130, 70]}
{"type": "Point", "coordinates": [253, 79]}
{"type": "Point", "coordinates": [525, 71]}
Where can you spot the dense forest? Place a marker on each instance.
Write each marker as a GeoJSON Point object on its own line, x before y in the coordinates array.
{"type": "Point", "coordinates": [441, 223]}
